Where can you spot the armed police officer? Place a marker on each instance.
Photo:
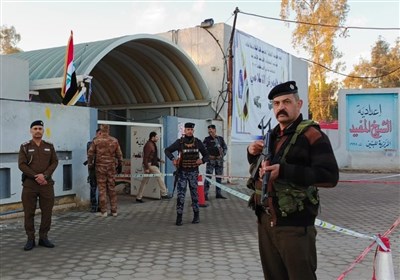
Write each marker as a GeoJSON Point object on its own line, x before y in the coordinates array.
{"type": "Point", "coordinates": [302, 160]}
{"type": "Point", "coordinates": [187, 163]}
{"type": "Point", "coordinates": [216, 148]}
{"type": "Point", "coordinates": [37, 160]}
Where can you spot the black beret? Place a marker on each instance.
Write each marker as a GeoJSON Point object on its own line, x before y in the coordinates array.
{"type": "Point", "coordinates": [211, 126]}
{"type": "Point", "coordinates": [38, 122]}
{"type": "Point", "coordinates": [282, 89]}
{"type": "Point", "coordinates": [189, 125]}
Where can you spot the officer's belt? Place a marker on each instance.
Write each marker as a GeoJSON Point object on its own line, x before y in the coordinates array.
{"type": "Point", "coordinates": [214, 157]}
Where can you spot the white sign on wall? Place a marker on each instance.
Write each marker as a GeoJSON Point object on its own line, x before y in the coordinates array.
{"type": "Point", "coordinates": [372, 122]}
{"type": "Point", "coordinates": [257, 68]}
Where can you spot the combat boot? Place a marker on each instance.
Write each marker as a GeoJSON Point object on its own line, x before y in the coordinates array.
{"type": "Point", "coordinates": [179, 220]}
{"type": "Point", "coordinates": [196, 218]}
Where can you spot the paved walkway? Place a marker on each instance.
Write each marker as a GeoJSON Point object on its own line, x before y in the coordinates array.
{"type": "Point", "coordinates": [144, 243]}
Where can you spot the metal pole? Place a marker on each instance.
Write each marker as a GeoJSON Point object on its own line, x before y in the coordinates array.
{"type": "Point", "coordinates": [230, 82]}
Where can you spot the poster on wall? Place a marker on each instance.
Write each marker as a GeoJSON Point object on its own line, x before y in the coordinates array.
{"type": "Point", "coordinates": [139, 137]}
{"type": "Point", "coordinates": [372, 122]}
{"type": "Point", "coordinates": [257, 68]}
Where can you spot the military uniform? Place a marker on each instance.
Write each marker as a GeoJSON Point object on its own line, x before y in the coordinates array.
{"type": "Point", "coordinates": [188, 171]}
{"type": "Point", "coordinates": [94, 200]}
{"type": "Point", "coordinates": [286, 231]}
{"type": "Point", "coordinates": [33, 160]}
{"type": "Point", "coordinates": [216, 148]}
{"type": "Point", "coordinates": [107, 153]}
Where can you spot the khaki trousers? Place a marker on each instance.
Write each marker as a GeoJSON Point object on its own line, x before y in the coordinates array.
{"type": "Point", "coordinates": [153, 170]}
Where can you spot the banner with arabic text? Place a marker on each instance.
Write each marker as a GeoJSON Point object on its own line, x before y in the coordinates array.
{"type": "Point", "coordinates": [257, 68]}
{"type": "Point", "coordinates": [372, 122]}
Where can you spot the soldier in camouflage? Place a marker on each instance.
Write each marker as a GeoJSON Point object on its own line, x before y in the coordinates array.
{"type": "Point", "coordinates": [187, 164]}
{"type": "Point", "coordinates": [94, 199]}
{"type": "Point", "coordinates": [105, 153]}
{"type": "Point", "coordinates": [37, 160]}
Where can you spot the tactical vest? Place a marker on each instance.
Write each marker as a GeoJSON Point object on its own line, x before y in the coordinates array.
{"type": "Point", "coordinates": [189, 154]}
{"type": "Point", "coordinates": [290, 196]}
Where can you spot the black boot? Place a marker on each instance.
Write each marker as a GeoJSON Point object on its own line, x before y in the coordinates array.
{"type": "Point", "coordinates": [29, 244]}
{"type": "Point", "coordinates": [179, 220]}
{"type": "Point", "coordinates": [196, 218]}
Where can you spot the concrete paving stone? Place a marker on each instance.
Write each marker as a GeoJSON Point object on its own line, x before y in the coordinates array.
{"type": "Point", "coordinates": [147, 234]}
{"type": "Point", "coordinates": [89, 277]}
{"type": "Point", "coordinates": [76, 274]}
{"type": "Point", "coordinates": [58, 276]}
{"type": "Point", "coordinates": [123, 277]}
{"type": "Point", "coordinates": [143, 269]}
{"type": "Point", "coordinates": [157, 272]}
{"type": "Point", "coordinates": [110, 275]}
{"type": "Point", "coordinates": [112, 269]}
{"type": "Point", "coordinates": [238, 270]}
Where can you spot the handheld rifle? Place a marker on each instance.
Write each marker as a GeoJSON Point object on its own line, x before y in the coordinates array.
{"type": "Point", "coordinates": [264, 156]}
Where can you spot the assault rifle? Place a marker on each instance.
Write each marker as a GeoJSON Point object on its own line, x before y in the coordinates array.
{"type": "Point", "coordinates": [264, 156]}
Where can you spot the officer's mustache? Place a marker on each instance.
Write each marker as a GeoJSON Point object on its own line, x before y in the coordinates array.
{"type": "Point", "coordinates": [282, 112]}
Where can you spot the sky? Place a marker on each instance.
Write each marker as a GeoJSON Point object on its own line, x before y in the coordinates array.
{"type": "Point", "coordinates": [46, 24]}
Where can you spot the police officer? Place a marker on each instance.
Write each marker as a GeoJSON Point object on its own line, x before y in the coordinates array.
{"type": "Point", "coordinates": [302, 160]}
{"type": "Point", "coordinates": [187, 163]}
{"type": "Point", "coordinates": [106, 154]}
{"type": "Point", "coordinates": [216, 148]}
{"type": "Point", "coordinates": [37, 160]}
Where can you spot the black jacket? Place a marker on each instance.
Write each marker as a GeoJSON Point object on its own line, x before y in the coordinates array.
{"type": "Point", "coordinates": [309, 162]}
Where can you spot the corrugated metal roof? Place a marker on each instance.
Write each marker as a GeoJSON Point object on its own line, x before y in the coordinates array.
{"type": "Point", "coordinates": [129, 70]}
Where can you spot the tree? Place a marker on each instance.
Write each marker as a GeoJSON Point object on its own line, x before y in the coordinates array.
{"type": "Point", "coordinates": [318, 41]}
{"type": "Point", "coordinates": [383, 68]}
{"type": "Point", "coordinates": [9, 38]}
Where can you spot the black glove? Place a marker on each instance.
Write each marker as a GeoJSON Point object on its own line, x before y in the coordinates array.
{"type": "Point", "coordinates": [119, 169]}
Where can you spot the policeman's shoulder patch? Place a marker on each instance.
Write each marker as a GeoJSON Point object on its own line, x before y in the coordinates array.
{"type": "Point", "coordinates": [25, 143]}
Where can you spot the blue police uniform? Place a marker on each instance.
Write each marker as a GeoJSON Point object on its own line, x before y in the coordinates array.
{"type": "Point", "coordinates": [216, 148]}
{"type": "Point", "coordinates": [187, 171]}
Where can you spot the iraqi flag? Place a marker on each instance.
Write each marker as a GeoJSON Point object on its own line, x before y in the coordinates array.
{"type": "Point", "coordinates": [69, 87]}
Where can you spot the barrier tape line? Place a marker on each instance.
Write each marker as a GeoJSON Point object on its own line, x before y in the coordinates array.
{"type": "Point", "coordinates": [366, 181]}
{"type": "Point", "coordinates": [376, 239]}
{"type": "Point", "coordinates": [318, 222]}
{"type": "Point", "coordinates": [365, 252]}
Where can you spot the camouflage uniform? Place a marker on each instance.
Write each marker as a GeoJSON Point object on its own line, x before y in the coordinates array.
{"type": "Point", "coordinates": [94, 198]}
{"type": "Point", "coordinates": [107, 153]}
{"type": "Point", "coordinates": [217, 148]}
{"type": "Point", "coordinates": [188, 171]}
{"type": "Point", "coordinates": [33, 160]}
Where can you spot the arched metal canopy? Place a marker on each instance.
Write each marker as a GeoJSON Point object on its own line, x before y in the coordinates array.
{"type": "Point", "coordinates": [131, 70]}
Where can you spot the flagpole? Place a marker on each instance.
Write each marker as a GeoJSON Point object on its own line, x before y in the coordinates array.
{"type": "Point", "coordinates": [66, 66]}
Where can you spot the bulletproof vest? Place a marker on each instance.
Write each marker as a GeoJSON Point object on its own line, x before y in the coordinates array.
{"type": "Point", "coordinates": [189, 154]}
{"type": "Point", "coordinates": [290, 196]}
